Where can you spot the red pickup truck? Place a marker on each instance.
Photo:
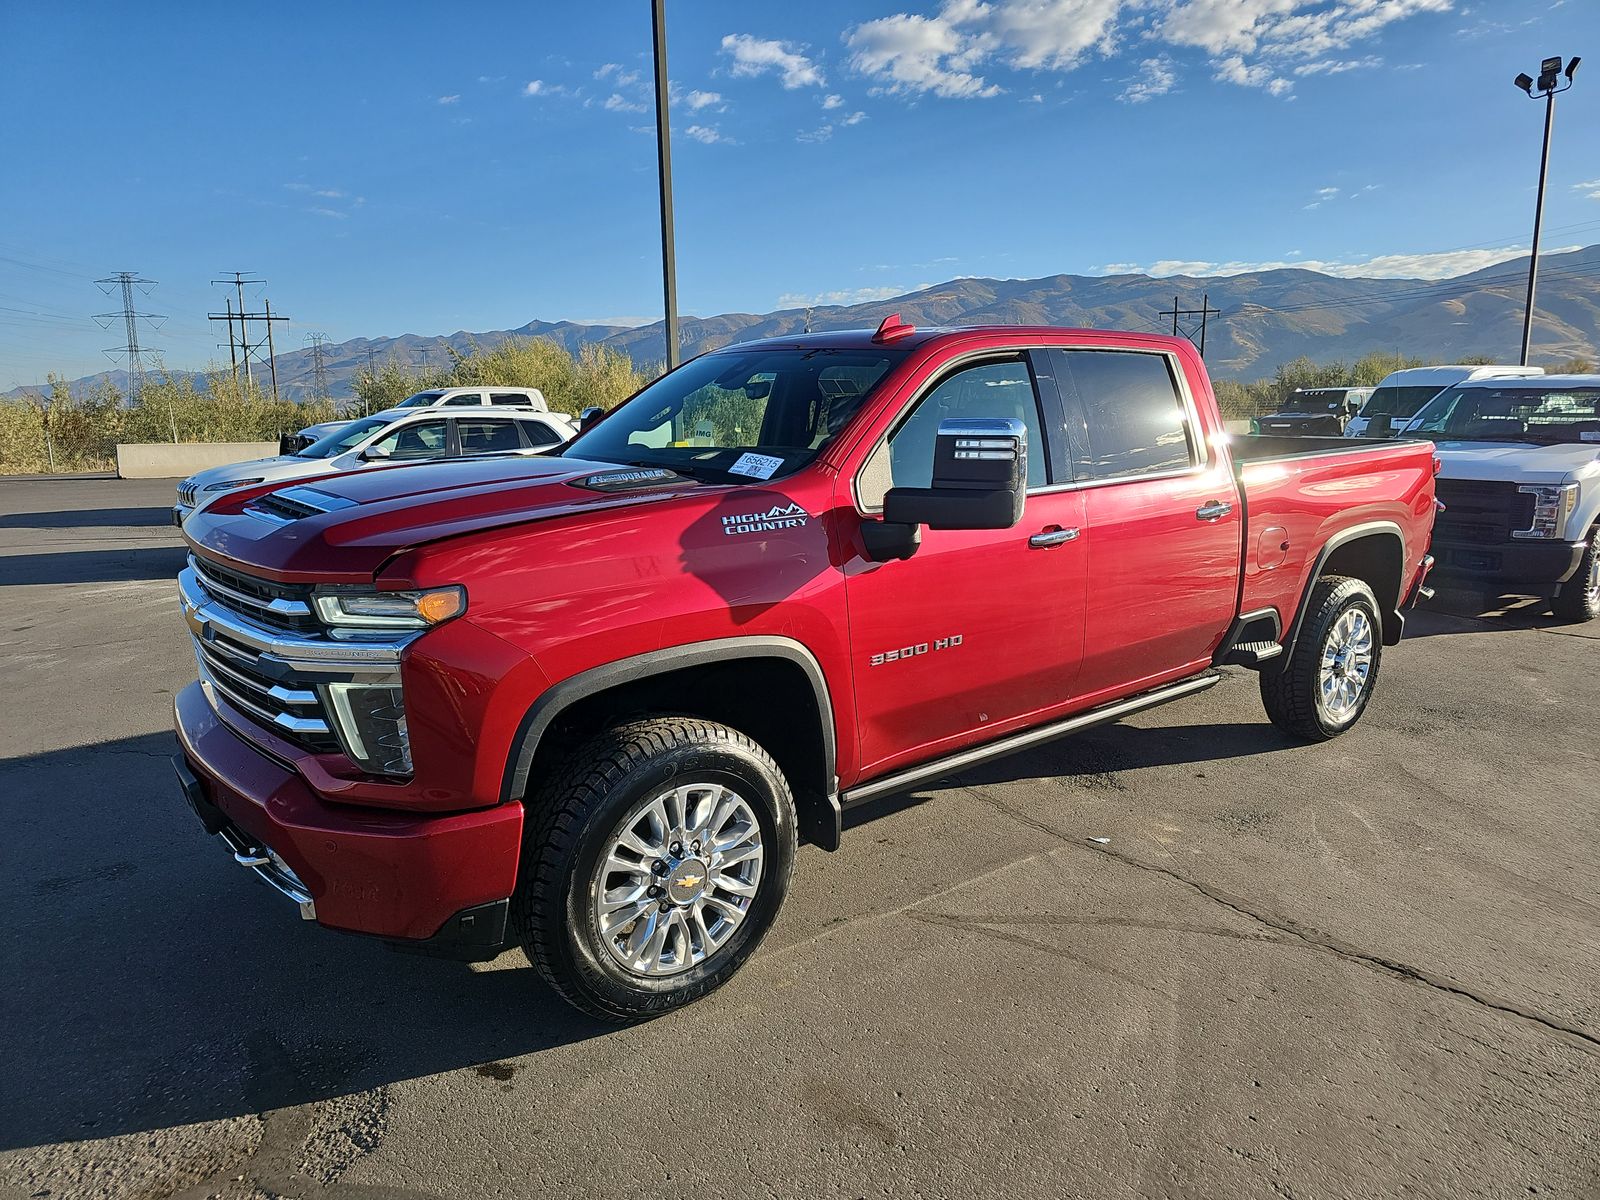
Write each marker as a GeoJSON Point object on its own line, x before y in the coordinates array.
{"type": "Point", "coordinates": [588, 702]}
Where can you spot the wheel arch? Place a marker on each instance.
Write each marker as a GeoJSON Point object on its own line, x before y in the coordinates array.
{"type": "Point", "coordinates": [1373, 552]}
{"type": "Point", "coordinates": [771, 688]}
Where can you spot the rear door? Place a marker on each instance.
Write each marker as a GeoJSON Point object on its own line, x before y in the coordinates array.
{"type": "Point", "coordinates": [1162, 521]}
{"type": "Point", "coordinates": [979, 628]}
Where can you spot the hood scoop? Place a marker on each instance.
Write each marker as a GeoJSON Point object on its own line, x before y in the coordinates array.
{"type": "Point", "coordinates": [294, 504]}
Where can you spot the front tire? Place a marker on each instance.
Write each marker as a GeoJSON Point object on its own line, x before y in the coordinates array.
{"type": "Point", "coordinates": [1333, 665]}
{"type": "Point", "coordinates": [653, 865]}
{"type": "Point", "coordinates": [1579, 599]}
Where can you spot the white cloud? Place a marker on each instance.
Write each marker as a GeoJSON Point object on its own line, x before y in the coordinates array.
{"type": "Point", "coordinates": [854, 118]}
{"type": "Point", "coordinates": [843, 296]}
{"type": "Point", "coordinates": [333, 213]}
{"type": "Point", "coordinates": [1436, 265]}
{"type": "Point", "coordinates": [757, 56]}
{"type": "Point", "coordinates": [820, 134]}
{"type": "Point", "coordinates": [535, 87]}
{"type": "Point", "coordinates": [832, 101]}
{"type": "Point", "coordinates": [709, 134]}
{"type": "Point", "coordinates": [1327, 193]}
{"type": "Point", "coordinates": [699, 100]}
{"type": "Point", "coordinates": [1590, 187]}
{"type": "Point", "coordinates": [952, 50]}
{"type": "Point", "coordinates": [449, 99]}
{"type": "Point", "coordinates": [329, 193]}
{"type": "Point", "coordinates": [1157, 76]}
{"type": "Point", "coordinates": [617, 76]}
{"type": "Point", "coordinates": [616, 102]}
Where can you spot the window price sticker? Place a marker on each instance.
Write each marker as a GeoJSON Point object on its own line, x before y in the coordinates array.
{"type": "Point", "coordinates": [757, 466]}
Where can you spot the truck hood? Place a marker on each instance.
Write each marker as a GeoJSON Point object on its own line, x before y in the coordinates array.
{"type": "Point", "coordinates": [1518, 462]}
{"type": "Point", "coordinates": [367, 517]}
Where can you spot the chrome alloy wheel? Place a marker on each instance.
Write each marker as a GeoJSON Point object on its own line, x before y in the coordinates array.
{"type": "Point", "coordinates": [1345, 666]}
{"type": "Point", "coordinates": [678, 878]}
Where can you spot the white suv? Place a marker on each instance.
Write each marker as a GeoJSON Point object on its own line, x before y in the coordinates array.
{"type": "Point", "coordinates": [530, 399]}
{"type": "Point", "coordinates": [1402, 394]}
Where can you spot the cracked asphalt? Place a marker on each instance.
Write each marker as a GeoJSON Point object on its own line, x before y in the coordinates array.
{"type": "Point", "coordinates": [1370, 968]}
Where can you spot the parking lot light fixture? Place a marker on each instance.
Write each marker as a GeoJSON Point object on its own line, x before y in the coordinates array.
{"type": "Point", "coordinates": [1547, 87]}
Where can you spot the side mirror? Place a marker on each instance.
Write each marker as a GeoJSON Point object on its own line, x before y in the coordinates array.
{"type": "Point", "coordinates": [589, 416]}
{"type": "Point", "coordinates": [375, 453]}
{"type": "Point", "coordinates": [980, 477]}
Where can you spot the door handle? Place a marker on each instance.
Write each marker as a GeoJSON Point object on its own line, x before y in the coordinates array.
{"type": "Point", "coordinates": [1214, 510]}
{"type": "Point", "coordinates": [1052, 537]}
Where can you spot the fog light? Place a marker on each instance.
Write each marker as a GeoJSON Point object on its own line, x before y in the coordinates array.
{"type": "Point", "coordinates": [370, 720]}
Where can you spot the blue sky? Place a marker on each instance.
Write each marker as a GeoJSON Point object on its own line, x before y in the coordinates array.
{"type": "Point", "coordinates": [425, 168]}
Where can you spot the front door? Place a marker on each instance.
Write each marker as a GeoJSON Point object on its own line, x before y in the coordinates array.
{"type": "Point", "coordinates": [980, 628]}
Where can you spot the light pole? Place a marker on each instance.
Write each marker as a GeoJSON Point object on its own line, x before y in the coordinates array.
{"type": "Point", "coordinates": [669, 268]}
{"type": "Point", "coordinates": [1548, 86]}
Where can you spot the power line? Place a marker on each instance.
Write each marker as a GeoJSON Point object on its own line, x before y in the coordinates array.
{"type": "Point", "coordinates": [1188, 314]}
{"type": "Point", "coordinates": [126, 281]}
{"type": "Point", "coordinates": [319, 364]}
{"type": "Point", "coordinates": [245, 351]}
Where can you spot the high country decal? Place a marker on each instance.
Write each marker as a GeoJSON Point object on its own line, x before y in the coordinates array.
{"type": "Point", "coordinates": [779, 516]}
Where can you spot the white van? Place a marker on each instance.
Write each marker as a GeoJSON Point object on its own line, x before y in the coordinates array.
{"type": "Point", "coordinates": [1402, 394]}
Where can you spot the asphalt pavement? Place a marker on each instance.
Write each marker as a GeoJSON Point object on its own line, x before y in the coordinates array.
{"type": "Point", "coordinates": [1368, 968]}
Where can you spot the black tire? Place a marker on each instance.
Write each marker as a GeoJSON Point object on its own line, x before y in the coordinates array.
{"type": "Point", "coordinates": [1292, 694]}
{"type": "Point", "coordinates": [572, 821]}
{"type": "Point", "coordinates": [1579, 599]}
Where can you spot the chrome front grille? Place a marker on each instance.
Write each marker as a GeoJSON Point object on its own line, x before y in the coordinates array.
{"type": "Point", "coordinates": [291, 707]}
{"type": "Point", "coordinates": [264, 601]}
{"type": "Point", "coordinates": [188, 493]}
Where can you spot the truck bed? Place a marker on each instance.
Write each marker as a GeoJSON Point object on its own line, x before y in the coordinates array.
{"type": "Point", "coordinates": [1269, 447]}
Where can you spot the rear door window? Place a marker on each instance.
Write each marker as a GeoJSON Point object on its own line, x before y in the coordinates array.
{"type": "Point", "coordinates": [485, 435]}
{"type": "Point", "coordinates": [510, 399]}
{"type": "Point", "coordinates": [540, 435]}
{"type": "Point", "coordinates": [1125, 415]}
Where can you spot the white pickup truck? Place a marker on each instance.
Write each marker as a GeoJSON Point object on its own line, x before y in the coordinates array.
{"type": "Point", "coordinates": [1520, 482]}
{"type": "Point", "coordinates": [1401, 395]}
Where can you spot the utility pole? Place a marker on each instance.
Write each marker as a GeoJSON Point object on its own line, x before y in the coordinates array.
{"type": "Point", "coordinates": [319, 364]}
{"type": "Point", "coordinates": [669, 268]}
{"type": "Point", "coordinates": [245, 351]}
{"type": "Point", "coordinates": [1548, 86]}
{"type": "Point", "coordinates": [126, 281]}
{"type": "Point", "coordinates": [1195, 333]}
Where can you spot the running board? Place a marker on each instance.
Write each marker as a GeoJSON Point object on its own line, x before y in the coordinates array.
{"type": "Point", "coordinates": [1104, 715]}
{"type": "Point", "coordinates": [1252, 654]}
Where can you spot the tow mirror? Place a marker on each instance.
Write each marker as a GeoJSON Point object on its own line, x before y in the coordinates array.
{"type": "Point", "coordinates": [589, 416]}
{"type": "Point", "coordinates": [980, 477]}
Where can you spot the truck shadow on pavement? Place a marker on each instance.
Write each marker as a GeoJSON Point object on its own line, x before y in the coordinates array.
{"type": "Point", "coordinates": [152, 983]}
{"type": "Point", "coordinates": [89, 518]}
{"type": "Point", "coordinates": [93, 566]}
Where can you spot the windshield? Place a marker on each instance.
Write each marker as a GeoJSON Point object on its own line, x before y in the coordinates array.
{"type": "Point", "coordinates": [1513, 414]}
{"type": "Point", "coordinates": [739, 415]}
{"type": "Point", "coordinates": [1314, 402]}
{"type": "Point", "coordinates": [346, 437]}
{"type": "Point", "coordinates": [1399, 401]}
{"type": "Point", "coordinates": [420, 400]}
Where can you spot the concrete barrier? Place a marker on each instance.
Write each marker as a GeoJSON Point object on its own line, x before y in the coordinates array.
{"type": "Point", "coordinates": [175, 460]}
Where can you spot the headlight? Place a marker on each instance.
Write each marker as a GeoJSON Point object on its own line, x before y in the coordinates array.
{"type": "Point", "coordinates": [391, 610]}
{"type": "Point", "coordinates": [370, 720]}
{"type": "Point", "coordinates": [227, 485]}
{"type": "Point", "coordinates": [1551, 508]}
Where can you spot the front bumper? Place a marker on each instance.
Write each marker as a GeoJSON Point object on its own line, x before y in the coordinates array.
{"type": "Point", "coordinates": [1535, 567]}
{"type": "Point", "coordinates": [391, 874]}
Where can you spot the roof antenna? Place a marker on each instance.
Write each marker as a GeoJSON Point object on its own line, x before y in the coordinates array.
{"type": "Point", "coordinates": [893, 329]}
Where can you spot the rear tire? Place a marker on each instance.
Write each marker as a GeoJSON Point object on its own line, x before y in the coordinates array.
{"type": "Point", "coordinates": [1579, 599]}
{"type": "Point", "coordinates": [653, 864]}
{"type": "Point", "coordinates": [1333, 665]}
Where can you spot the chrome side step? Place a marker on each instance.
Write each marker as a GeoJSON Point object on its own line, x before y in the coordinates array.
{"type": "Point", "coordinates": [1104, 715]}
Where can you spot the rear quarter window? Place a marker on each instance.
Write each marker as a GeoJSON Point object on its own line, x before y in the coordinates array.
{"type": "Point", "coordinates": [1133, 419]}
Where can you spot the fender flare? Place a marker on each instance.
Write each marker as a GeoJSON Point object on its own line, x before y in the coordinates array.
{"type": "Point", "coordinates": [1344, 537]}
{"type": "Point", "coordinates": [560, 696]}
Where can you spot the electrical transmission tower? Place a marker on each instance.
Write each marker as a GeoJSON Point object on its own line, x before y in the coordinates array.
{"type": "Point", "coordinates": [319, 364]}
{"type": "Point", "coordinates": [1195, 333]}
{"type": "Point", "coordinates": [244, 351]}
{"type": "Point", "coordinates": [126, 281]}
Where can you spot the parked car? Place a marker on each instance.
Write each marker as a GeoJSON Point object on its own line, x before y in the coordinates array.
{"type": "Point", "coordinates": [1402, 394]}
{"type": "Point", "coordinates": [531, 399]}
{"type": "Point", "coordinates": [1520, 481]}
{"type": "Point", "coordinates": [1316, 412]}
{"type": "Point", "coordinates": [399, 435]}
{"type": "Point", "coordinates": [588, 703]}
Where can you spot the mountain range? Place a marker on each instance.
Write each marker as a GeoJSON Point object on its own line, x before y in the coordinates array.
{"type": "Point", "coordinates": [1265, 318]}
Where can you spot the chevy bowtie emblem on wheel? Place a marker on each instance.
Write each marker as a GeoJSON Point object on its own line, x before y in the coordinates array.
{"type": "Point", "coordinates": [690, 881]}
{"type": "Point", "coordinates": [779, 516]}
